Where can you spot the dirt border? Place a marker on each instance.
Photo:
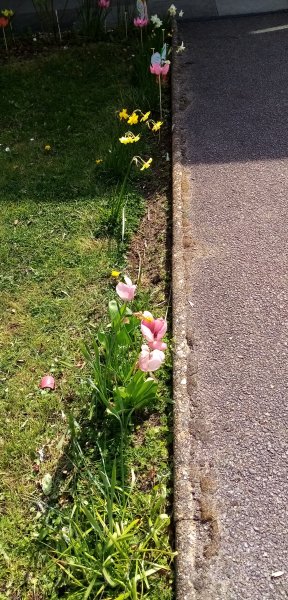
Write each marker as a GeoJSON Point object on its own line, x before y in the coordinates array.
{"type": "Point", "coordinates": [184, 507]}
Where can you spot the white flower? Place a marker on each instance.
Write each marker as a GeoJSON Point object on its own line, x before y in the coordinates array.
{"type": "Point", "coordinates": [181, 48]}
{"type": "Point", "coordinates": [181, 13]}
{"type": "Point", "coordinates": [172, 10]}
{"type": "Point", "coordinates": [31, 139]}
{"type": "Point", "coordinates": [156, 21]}
{"type": "Point", "coordinates": [7, 149]}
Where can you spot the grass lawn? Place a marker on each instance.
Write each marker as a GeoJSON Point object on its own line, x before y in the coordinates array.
{"type": "Point", "coordinates": [55, 267]}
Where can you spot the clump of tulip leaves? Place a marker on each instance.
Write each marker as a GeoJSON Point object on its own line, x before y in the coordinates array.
{"type": "Point", "coordinates": [113, 542]}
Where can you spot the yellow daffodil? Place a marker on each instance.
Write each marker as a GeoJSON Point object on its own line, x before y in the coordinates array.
{"type": "Point", "coordinates": [157, 126]}
{"type": "Point", "coordinates": [115, 273]}
{"type": "Point", "coordinates": [7, 13]}
{"type": "Point", "coordinates": [123, 115]}
{"type": "Point", "coordinates": [98, 161]}
{"type": "Point", "coordinates": [47, 147]}
{"type": "Point", "coordinates": [133, 119]}
{"type": "Point", "coordinates": [146, 164]}
{"type": "Point", "coordinates": [129, 138]}
{"type": "Point", "coordinates": [145, 117]}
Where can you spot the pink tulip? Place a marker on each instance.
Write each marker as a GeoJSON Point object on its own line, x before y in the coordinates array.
{"type": "Point", "coordinates": [157, 69]}
{"type": "Point", "coordinates": [126, 290]}
{"type": "Point", "coordinates": [150, 360]}
{"type": "Point", "coordinates": [153, 330]}
{"type": "Point", "coordinates": [47, 382]}
{"type": "Point", "coordinates": [141, 22]}
{"type": "Point", "coordinates": [104, 3]}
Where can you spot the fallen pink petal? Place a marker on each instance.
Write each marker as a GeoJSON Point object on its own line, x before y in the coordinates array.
{"type": "Point", "coordinates": [47, 382]}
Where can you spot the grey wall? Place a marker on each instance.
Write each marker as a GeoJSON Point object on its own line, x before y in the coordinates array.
{"type": "Point", "coordinates": [25, 14]}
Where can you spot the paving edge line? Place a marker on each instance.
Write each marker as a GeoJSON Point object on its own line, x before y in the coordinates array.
{"type": "Point", "coordinates": [184, 507]}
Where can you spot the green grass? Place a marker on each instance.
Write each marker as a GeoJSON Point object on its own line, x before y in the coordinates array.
{"type": "Point", "coordinates": [55, 267]}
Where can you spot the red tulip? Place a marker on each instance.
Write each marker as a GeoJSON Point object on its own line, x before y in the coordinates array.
{"type": "Point", "coordinates": [4, 22]}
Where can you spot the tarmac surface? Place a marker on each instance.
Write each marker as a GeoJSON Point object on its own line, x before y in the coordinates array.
{"type": "Point", "coordinates": [234, 131]}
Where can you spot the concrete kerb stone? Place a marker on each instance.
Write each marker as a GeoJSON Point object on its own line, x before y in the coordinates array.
{"type": "Point", "coordinates": [184, 509]}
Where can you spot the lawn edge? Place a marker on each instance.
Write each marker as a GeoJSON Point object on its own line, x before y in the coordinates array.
{"type": "Point", "coordinates": [184, 506]}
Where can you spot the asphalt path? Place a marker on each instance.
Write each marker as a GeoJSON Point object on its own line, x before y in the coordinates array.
{"type": "Point", "coordinates": [234, 126]}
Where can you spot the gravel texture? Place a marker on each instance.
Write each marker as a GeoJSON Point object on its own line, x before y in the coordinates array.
{"type": "Point", "coordinates": [233, 119]}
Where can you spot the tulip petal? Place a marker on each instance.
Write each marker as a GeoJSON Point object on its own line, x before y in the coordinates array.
{"type": "Point", "coordinates": [157, 345]}
{"type": "Point", "coordinates": [157, 357]}
{"type": "Point", "coordinates": [146, 332]}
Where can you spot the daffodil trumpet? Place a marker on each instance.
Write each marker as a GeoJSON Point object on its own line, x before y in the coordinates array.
{"type": "Point", "coordinates": [154, 125]}
{"type": "Point", "coordinates": [129, 138]}
{"type": "Point", "coordinates": [145, 164]}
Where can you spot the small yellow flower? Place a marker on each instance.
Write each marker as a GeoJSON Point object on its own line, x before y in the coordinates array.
{"type": "Point", "coordinates": [129, 138]}
{"type": "Point", "coordinates": [124, 140]}
{"type": "Point", "coordinates": [146, 164]}
{"type": "Point", "coordinates": [98, 161]}
{"type": "Point", "coordinates": [115, 273]}
{"type": "Point", "coordinates": [6, 12]}
{"type": "Point", "coordinates": [123, 114]}
{"type": "Point", "coordinates": [157, 125]}
{"type": "Point", "coordinates": [145, 117]}
{"type": "Point", "coordinates": [133, 119]}
{"type": "Point", "coordinates": [47, 147]}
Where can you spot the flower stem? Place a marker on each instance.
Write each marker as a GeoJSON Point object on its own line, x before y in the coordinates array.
{"type": "Point", "coordinates": [58, 25]}
{"type": "Point", "coordinates": [11, 29]}
{"type": "Point", "coordinates": [122, 455]}
{"type": "Point", "coordinates": [119, 203]}
{"type": "Point", "coordinates": [160, 95]}
{"type": "Point", "coordinates": [141, 36]}
{"type": "Point", "coordinates": [5, 41]}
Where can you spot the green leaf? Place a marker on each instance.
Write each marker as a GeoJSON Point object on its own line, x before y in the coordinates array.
{"type": "Point", "coordinates": [89, 589]}
{"type": "Point", "coordinates": [92, 520]}
{"type": "Point", "coordinates": [114, 312]}
{"type": "Point", "coordinates": [108, 578]}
